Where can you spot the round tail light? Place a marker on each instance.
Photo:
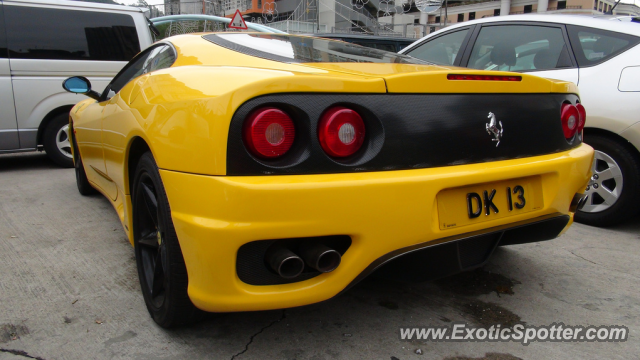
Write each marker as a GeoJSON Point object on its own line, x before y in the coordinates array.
{"type": "Point", "coordinates": [570, 120]}
{"type": "Point", "coordinates": [583, 116]}
{"type": "Point", "coordinates": [269, 133]}
{"type": "Point", "coordinates": [341, 132]}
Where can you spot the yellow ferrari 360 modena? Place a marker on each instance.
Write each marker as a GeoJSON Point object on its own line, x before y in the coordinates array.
{"type": "Point", "coordinates": [265, 171]}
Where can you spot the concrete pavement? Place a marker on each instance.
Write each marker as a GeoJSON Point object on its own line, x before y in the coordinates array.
{"type": "Point", "coordinates": [69, 290]}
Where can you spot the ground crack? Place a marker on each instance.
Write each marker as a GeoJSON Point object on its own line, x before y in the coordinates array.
{"type": "Point", "coordinates": [246, 347]}
{"type": "Point", "coordinates": [574, 254]}
{"type": "Point", "coordinates": [20, 353]}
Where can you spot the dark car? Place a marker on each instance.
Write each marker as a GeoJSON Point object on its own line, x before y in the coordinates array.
{"type": "Point", "coordinates": [385, 43]}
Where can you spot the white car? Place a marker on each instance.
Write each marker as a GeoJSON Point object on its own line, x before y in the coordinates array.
{"type": "Point", "coordinates": [44, 42]}
{"type": "Point", "coordinates": [601, 56]}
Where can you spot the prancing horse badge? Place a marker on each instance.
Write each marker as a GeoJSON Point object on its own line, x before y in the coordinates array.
{"type": "Point", "coordinates": [492, 128]}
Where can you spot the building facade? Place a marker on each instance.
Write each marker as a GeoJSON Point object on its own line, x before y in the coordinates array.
{"type": "Point", "coordinates": [459, 12]}
{"type": "Point", "coordinates": [382, 17]}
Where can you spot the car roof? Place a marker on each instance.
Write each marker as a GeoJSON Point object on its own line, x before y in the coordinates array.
{"type": "Point", "coordinates": [580, 20]}
{"type": "Point", "coordinates": [76, 4]}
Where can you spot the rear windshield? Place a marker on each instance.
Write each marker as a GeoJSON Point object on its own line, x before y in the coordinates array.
{"type": "Point", "coordinates": [302, 49]}
{"type": "Point", "coordinates": [594, 46]}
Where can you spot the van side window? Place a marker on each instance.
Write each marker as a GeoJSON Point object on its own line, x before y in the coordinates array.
{"type": "Point", "coordinates": [593, 46]}
{"type": "Point", "coordinates": [56, 34]}
{"type": "Point", "coordinates": [3, 38]}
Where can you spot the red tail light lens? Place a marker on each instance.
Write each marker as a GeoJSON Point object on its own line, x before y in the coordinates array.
{"type": "Point", "coordinates": [341, 131]}
{"type": "Point", "coordinates": [269, 133]}
{"type": "Point", "coordinates": [570, 120]}
{"type": "Point", "coordinates": [583, 116]}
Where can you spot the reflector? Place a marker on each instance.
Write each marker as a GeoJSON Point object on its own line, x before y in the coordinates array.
{"type": "Point", "coordinates": [583, 116]}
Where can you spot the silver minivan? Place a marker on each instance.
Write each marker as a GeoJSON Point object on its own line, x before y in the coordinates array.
{"type": "Point", "coordinates": [44, 42]}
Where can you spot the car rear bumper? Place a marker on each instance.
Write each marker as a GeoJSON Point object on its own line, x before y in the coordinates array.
{"type": "Point", "coordinates": [392, 212]}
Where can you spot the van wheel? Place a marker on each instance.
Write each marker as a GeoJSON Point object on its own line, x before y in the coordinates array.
{"type": "Point", "coordinates": [56, 141]}
{"type": "Point", "coordinates": [613, 191]}
{"type": "Point", "coordinates": [161, 268]}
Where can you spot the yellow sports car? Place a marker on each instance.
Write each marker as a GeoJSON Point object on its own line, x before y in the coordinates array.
{"type": "Point", "coordinates": [263, 171]}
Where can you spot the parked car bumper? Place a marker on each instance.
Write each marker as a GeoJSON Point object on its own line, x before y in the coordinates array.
{"type": "Point", "coordinates": [382, 213]}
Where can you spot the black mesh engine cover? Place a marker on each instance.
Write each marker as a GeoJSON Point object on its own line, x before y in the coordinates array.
{"type": "Point", "coordinates": [408, 131]}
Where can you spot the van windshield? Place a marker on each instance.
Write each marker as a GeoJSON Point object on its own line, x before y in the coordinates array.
{"type": "Point", "coordinates": [304, 49]}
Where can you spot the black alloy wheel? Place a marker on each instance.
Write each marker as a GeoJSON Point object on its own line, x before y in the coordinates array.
{"type": "Point", "coordinates": [84, 187]}
{"type": "Point", "coordinates": [161, 269]}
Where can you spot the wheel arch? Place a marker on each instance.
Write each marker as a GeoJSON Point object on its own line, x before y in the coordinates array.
{"type": "Point", "coordinates": [137, 147]}
{"type": "Point", "coordinates": [47, 119]}
{"type": "Point", "coordinates": [614, 137]}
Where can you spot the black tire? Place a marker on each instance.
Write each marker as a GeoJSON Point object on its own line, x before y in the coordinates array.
{"type": "Point", "coordinates": [161, 268]}
{"type": "Point", "coordinates": [628, 203]}
{"type": "Point", "coordinates": [84, 187]}
{"type": "Point", "coordinates": [50, 141]}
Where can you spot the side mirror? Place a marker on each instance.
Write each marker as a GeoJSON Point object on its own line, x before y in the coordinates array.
{"type": "Point", "coordinates": [80, 85]}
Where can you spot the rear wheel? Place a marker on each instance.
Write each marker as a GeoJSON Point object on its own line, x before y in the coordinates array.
{"type": "Point", "coordinates": [56, 141]}
{"type": "Point", "coordinates": [84, 187]}
{"type": "Point", "coordinates": [161, 268]}
{"type": "Point", "coordinates": [614, 195]}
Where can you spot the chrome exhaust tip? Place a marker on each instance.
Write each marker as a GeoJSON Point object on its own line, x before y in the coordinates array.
{"type": "Point", "coordinates": [320, 257]}
{"type": "Point", "coordinates": [287, 264]}
{"type": "Point", "coordinates": [578, 202]}
{"type": "Point", "coordinates": [582, 202]}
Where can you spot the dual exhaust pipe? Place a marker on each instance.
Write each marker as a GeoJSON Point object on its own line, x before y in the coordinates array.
{"type": "Point", "coordinates": [290, 265]}
{"type": "Point", "coordinates": [578, 202]}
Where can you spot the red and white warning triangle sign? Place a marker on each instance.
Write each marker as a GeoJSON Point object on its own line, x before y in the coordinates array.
{"type": "Point", "coordinates": [237, 22]}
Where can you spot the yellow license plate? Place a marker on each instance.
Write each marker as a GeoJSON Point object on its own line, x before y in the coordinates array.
{"type": "Point", "coordinates": [483, 202]}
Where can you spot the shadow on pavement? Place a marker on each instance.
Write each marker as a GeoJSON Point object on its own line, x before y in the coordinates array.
{"type": "Point", "coordinates": [632, 226]}
{"type": "Point", "coordinates": [373, 309]}
{"type": "Point", "coordinates": [33, 160]}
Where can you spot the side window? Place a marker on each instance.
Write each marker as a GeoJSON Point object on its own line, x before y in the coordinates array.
{"type": "Point", "coordinates": [385, 47]}
{"type": "Point", "coordinates": [593, 46]}
{"type": "Point", "coordinates": [519, 48]}
{"type": "Point", "coordinates": [161, 57]}
{"type": "Point", "coordinates": [441, 50]}
{"type": "Point", "coordinates": [401, 45]}
{"type": "Point", "coordinates": [155, 58]}
{"type": "Point", "coordinates": [57, 34]}
{"type": "Point", "coordinates": [3, 38]}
